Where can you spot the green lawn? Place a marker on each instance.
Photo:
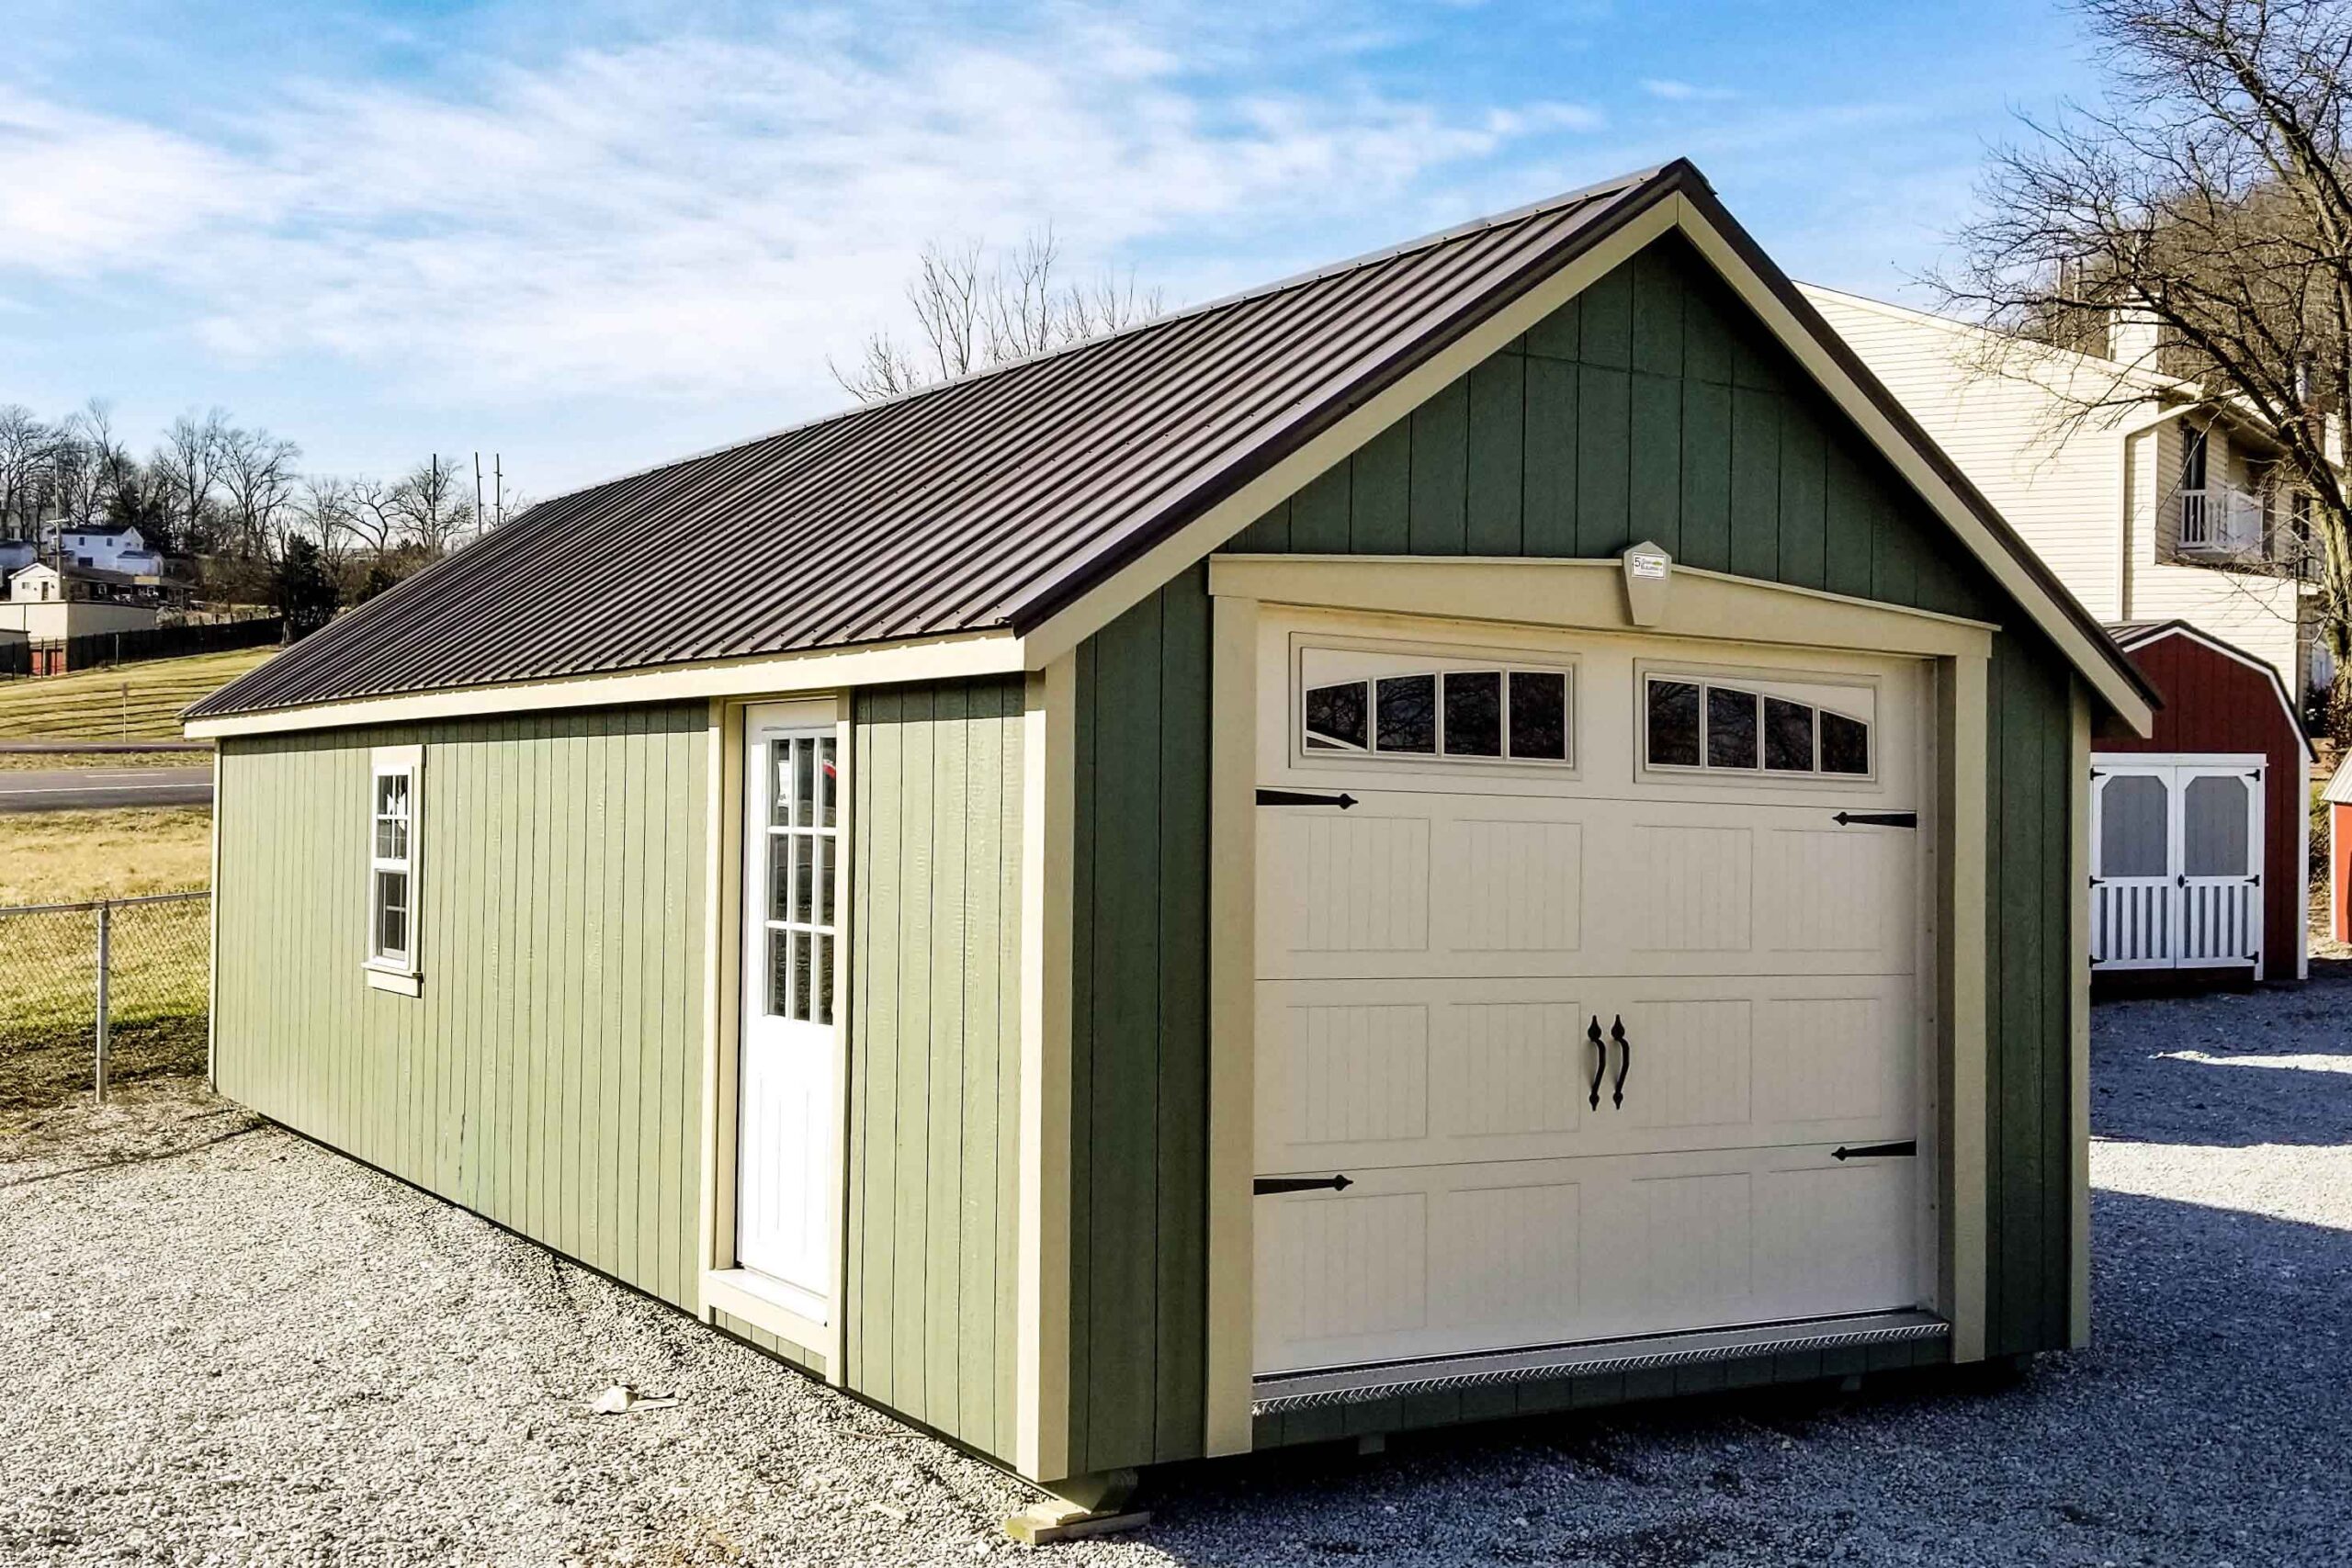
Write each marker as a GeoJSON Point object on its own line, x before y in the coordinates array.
{"type": "Point", "coordinates": [121, 701]}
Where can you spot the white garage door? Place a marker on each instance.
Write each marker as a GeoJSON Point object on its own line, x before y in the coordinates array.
{"type": "Point", "coordinates": [1588, 969]}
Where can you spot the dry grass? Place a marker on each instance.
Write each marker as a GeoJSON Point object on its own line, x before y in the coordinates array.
{"type": "Point", "coordinates": [49, 962]}
{"type": "Point", "coordinates": [122, 701]}
{"type": "Point", "coordinates": [47, 761]}
{"type": "Point", "coordinates": [65, 857]}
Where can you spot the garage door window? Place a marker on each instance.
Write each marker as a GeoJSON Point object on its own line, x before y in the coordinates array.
{"type": "Point", "coordinates": [1722, 728]}
{"type": "Point", "coordinates": [1497, 714]}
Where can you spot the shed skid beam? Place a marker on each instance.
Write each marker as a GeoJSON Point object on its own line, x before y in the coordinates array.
{"type": "Point", "coordinates": [1080, 1506]}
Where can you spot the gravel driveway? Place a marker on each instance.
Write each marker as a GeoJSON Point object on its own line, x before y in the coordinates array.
{"type": "Point", "coordinates": [225, 1344]}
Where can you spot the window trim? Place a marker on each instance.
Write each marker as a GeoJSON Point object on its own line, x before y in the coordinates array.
{"type": "Point", "coordinates": [400, 973]}
{"type": "Point", "coordinates": [1436, 660]}
{"type": "Point", "coordinates": [1759, 683]}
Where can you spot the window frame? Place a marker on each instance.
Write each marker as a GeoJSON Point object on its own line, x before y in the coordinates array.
{"type": "Point", "coordinates": [1437, 661]}
{"type": "Point", "coordinates": [1763, 684]}
{"type": "Point", "coordinates": [398, 972]}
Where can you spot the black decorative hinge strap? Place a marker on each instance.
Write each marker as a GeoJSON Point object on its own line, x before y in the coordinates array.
{"type": "Point", "coordinates": [1303, 798]}
{"type": "Point", "coordinates": [1876, 819]}
{"type": "Point", "coordinates": [1867, 1151]}
{"type": "Point", "coordinates": [1266, 1184]}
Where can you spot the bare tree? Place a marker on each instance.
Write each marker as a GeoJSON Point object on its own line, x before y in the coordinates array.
{"type": "Point", "coordinates": [434, 516]}
{"type": "Point", "coordinates": [2193, 227]}
{"type": "Point", "coordinates": [90, 464]}
{"type": "Point", "coordinates": [976, 310]}
{"type": "Point", "coordinates": [27, 449]}
{"type": "Point", "coordinates": [188, 465]}
{"type": "Point", "coordinates": [323, 512]}
{"type": "Point", "coordinates": [258, 481]}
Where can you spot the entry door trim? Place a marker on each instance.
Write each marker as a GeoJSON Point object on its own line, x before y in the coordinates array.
{"type": "Point", "coordinates": [729, 1292]}
{"type": "Point", "coordinates": [1759, 612]}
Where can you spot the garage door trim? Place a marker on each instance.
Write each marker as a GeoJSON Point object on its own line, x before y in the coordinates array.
{"type": "Point", "coordinates": [1586, 596]}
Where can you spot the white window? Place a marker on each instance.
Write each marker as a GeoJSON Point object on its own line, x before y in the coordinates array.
{"type": "Point", "coordinates": [393, 796]}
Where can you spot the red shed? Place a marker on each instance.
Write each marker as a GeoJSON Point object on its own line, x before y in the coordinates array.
{"type": "Point", "coordinates": [2201, 833]}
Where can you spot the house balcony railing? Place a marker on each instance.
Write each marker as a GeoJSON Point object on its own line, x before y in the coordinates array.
{"type": "Point", "coordinates": [2220, 521]}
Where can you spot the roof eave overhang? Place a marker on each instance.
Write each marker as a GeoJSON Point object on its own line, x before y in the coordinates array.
{"type": "Point", "coordinates": [991, 652]}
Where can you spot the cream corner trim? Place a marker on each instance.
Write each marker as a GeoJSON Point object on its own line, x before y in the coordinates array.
{"type": "Point", "coordinates": [1041, 1353]}
{"type": "Point", "coordinates": [779, 675]}
{"type": "Point", "coordinates": [1233, 905]}
{"type": "Point", "coordinates": [2078, 1021]}
{"type": "Point", "coordinates": [1960, 740]}
{"type": "Point", "coordinates": [1590, 594]}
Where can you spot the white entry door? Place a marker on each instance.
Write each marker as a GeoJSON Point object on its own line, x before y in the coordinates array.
{"type": "Point", "coordinates": [787, 1082]}
{"type": "Point", "coordinates": [2176, 861]}
{"type": "Point", "coordinates": [1587, 994]}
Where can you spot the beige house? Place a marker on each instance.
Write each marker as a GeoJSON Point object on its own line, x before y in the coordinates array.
{"type": "Point", "coordinates": [50, 602]}
{"type": "Point", "coordinates": [2154, 509]}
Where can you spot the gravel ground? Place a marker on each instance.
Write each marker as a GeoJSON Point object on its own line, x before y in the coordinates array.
{"type": "Point", "coordinates": [245, 1349]}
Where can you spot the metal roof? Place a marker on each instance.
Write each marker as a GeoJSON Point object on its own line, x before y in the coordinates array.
{"type": "Point", "coordinates": [991, 502]}
{"type": "Point", "coordinates": [985, 502]}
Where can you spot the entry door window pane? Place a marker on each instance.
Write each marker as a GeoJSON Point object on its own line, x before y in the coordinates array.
{"type": "Point", "coordinates": [2213, 827]}
{"type": "Point", "coordinates": [2133, 826]}
{"type": "Point", "coordinates": [799, 910]}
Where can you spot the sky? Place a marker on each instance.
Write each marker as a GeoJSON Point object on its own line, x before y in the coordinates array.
{"type": "Point", "coordinates": [588, 235]}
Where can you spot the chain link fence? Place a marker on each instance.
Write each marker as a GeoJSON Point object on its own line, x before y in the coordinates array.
{"type": "Point", "coordinates": [92, 994]}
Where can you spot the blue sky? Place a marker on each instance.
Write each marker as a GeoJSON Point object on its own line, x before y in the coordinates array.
{"type": "Point", "coordinates": [593, 235]}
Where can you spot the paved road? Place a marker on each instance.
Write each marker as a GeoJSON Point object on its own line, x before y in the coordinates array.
{"type": "Point", "coordinates": [78, 789]}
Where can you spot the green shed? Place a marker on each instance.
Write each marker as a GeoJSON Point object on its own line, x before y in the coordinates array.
{"type": "Point", "coordinates": [1487, 830]}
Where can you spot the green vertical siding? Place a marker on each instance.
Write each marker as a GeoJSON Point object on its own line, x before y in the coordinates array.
{"type": "Point", "coordinates": [934, 1056]}
{"type": "Point", "coordinates": [549, 1076]}
{"type": "Point", "coordinates": [1652, 407]}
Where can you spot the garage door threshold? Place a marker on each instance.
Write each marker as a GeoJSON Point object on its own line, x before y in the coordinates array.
{"type": "Point", "coordinates": [1271, 1396]}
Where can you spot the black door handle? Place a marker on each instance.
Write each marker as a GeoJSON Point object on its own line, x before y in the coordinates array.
{"type": "Point", "coordinates": [1599, 1057]}
{"type": "Point", "coordinates": [1625, 1060]}
{"type": "Point", "coordinates": [1875, 1151]}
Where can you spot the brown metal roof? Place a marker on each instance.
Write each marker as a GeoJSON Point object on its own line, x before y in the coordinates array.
{"type": "Point", "coordinates": [987, 504]}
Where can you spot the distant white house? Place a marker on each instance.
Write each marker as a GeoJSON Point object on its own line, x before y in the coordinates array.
{"type": "Point", "coordinates": [2156, 510]}
{"type": "Point", "coordinates": [108, 549]}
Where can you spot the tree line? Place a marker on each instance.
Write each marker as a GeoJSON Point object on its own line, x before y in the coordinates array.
{"type": "Point", "coordinates": [233, 502]}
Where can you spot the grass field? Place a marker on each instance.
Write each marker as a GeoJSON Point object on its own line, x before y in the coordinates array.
{"type": "Point", "coordinates": [46, 762]}
{"type": "Point", "coordinates": [66, 857]}
{"type": "Point", "coordinates": [159, 953]}
{"type": "Point", "coordinates": [121, 701]}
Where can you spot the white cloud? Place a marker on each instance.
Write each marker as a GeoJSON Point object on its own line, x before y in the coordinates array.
{"type": "Point", "coordinates": [1677, 92]}
{"type": "Point", "coordinates": [690, 215]}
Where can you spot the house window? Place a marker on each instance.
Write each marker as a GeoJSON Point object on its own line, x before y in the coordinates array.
{"type": "Point", "coordinates": [1496, 715]}
{"type": "Point", "coordinates": [2192, 461]}
{"type": "Point", "coordinates": [392, 844]}
{"type": "Point", "coordinates": [1716, 727]}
